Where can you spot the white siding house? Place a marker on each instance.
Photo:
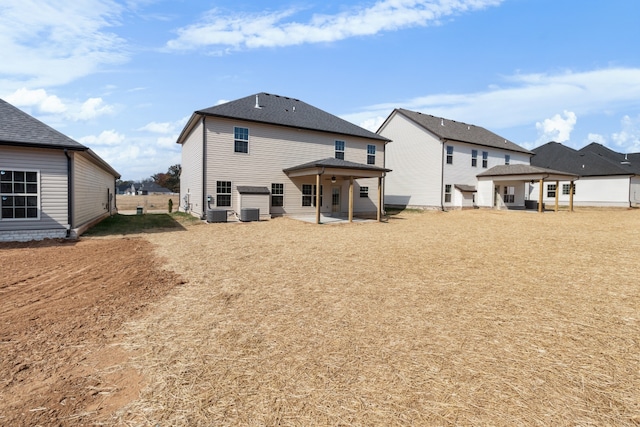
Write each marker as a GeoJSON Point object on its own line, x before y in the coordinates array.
{"type": "Point", "coordinates": [436, 162]}
{"type": "Point", "coordinates": [284, 148]}
{"type": "Point", "coordinates": [50, 185]}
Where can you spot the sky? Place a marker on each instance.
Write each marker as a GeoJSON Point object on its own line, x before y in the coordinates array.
{"type": "Point", "coordinates": [123, 76]}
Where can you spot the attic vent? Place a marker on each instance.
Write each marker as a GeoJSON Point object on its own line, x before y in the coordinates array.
{"type": "Point", "coordinates": [468, 127]}
{"type": "Point", "coordinates": [257, 103]}
{"type": "Point", "coordinates": [441, 122]}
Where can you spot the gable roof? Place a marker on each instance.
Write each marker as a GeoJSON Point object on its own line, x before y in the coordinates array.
{"type": "Point", "coordinates": [452, 130]}
{"type": "Point", "coordinates": [281, 111]}
{"type": "Point", "coordinates": [19, 128]}
{"type": "Point", "coordinates": [628, 161]}
{"type": "Point", "coordinates": [583, 163]}
{"type": "Point", "coordinates": [522, 169]}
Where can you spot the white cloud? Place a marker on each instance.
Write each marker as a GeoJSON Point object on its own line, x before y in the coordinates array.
{"type": "Point", "coordinates": [165, 127]}
{"type": "Point", "coordinates": [271, 29]}
{"type": "Point", "coordinates": [596, 137]}
{"type": "Point", "coordinates": [628, 139]}
{"type": "Point", "coordinates": [557, 128]}
{"type": "Point", "coordinates": [107, 137]}
{"type": "Point", "coordinates": [92, 108]}
{"type": "Point", "coordinates": [38, 98]}
{"type": "Point", "coordinates": [55, 42]}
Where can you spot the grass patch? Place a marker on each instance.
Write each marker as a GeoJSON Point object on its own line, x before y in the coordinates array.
{"type": "Point", "coordinates": [133, 224]}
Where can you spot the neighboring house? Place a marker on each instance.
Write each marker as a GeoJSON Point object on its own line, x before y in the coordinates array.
{"type": "Point", "coordinates": [436, 162]}
{"type": "Point", "coordinates": [281, 156]}
{"type": "Point", "coordinates": [606, 178]}
{"type": "Point", "coordinates": [50, 185]}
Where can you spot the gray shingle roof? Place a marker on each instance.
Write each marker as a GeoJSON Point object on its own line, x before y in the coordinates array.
{"type": "Point", "coordinates": [629, 162]}
{"type": "Point", "coordinates": [19, 128]}
{"type": "Point", "coordinates": [336, 163]}
{"type": "Point", "coordinates": [284, 111]}
{"type": "Point", "coordinates": [446, 129]}
{"type": "Point", "coordinates": [586, 162]}
{"type": "Point", "coordinates": [521, 169]}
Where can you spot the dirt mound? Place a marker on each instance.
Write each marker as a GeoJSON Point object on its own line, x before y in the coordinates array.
{"type": "Point", "coordinates": [62, 303]}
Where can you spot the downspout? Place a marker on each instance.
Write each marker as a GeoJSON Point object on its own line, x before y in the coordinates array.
{"type": "Point", "coordinates": [204, 167]}
{"type": "Point", "coordinates": [69, 195]}
{"type": "Point", "coordinates": [442, 178]}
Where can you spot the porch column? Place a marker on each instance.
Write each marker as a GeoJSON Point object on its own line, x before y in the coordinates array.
{"type": "Point", "coordinates": [571, 187]}
{"type": "Point", "coordinates": [379, 213]}
{"type": "Point", "coordinates": [557, 194]}
{"type": "Point", "coordinates": [350, 199]}
{"type": "Point", "coordinates": [318, 199]}
{"type": "Point", "coordinates": [540, 189]}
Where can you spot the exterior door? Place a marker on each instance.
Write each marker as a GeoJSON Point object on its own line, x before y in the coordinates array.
{"type": "Point", "coordinates": [335, 199]}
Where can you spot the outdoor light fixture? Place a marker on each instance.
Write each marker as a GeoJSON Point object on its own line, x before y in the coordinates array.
{"type": "Point", "coordinates": [333, 179]}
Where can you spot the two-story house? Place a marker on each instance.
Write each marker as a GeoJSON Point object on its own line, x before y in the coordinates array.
{"type": "Point", "coordinates": [436, 162]}
{"type": "Point", "coordinates": [281, 156]}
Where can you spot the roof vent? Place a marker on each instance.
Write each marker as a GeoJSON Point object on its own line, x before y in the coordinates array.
{"type": "Point", "coordinates": [468, 127]}
{"type": "Point", "coordinates": [441, 122]}
{"type": "Point", "coordinates": [257, 103]}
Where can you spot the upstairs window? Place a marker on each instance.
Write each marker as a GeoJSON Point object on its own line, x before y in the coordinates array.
{"type": "Point", "coordinates": [277, 195]}
{"type": "Point", "coordinates": [223, 193]}
{"type": "Point", "coordinates": [551, 190]}
{"type": "Point", "coordinates": [241, 140]}
{"type": "Point", "coordinates": [474, 158]}
{"type": "Point", "coordinates": [449, 154]}
{"type": "Point", "coordinates": [507, 159]}
{"type": "Point", "coordinates": [19, 194]}
{"type": "Point", "coordinates": [339, 150]}
{"type": "Point", "coordinates": [485, 159]}
{"type": "Point", "coordinates": [371, 154]}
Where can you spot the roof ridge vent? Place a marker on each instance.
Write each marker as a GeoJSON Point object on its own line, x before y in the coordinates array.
{"type": "Point", "coordinates": [257, 103]}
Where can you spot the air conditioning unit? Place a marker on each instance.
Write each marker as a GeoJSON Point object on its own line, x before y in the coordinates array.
{"type": "Point", "coordinates": [216, 215]}
{"type": "Point", "coordinates": [249, 214]}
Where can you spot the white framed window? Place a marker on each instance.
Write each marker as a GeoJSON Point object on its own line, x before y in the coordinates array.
{"type": "Point", "coordinates": [509, 194]}
{"type": "Point", "coordinates": [240, 140]}
{"type": "Point", "coordinates": [223, 193]}
{"type": "Point", "coordinates": [551, 190]}
{"type": "Point", "coordinates": [449, 154]}
{"type": "Point", "coordinates": [309, 195]}
{"type": "Point", "coordinates": [507, 159]}
{"type": "Point", "coordinates": [566, 188]}
{"type": "Point", "coordinates": [485, 159]}
{"type": "Point", "coordinates": [277, 194]}
{"type": "Point", "coordinates": [364, 192]}
{"type": "Point", "coordinates": [339, 150]}
{"type": "Point", "coordinates": [371, 154]}
{"type": "Point", "coordinates": [474, 158]}
{"type": "Point", "coordinates": [447, 193]}
{"type": "Point", "coordinates": [19, 194]}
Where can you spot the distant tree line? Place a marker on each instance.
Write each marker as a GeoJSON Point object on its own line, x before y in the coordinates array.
{"type": "Point", "coordinates": [169, 180]}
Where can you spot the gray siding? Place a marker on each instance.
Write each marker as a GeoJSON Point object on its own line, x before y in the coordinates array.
{"type": "Point", "coordinates": [52, 165]}
{"type": "Point", "coordinates": [92, 187]}
{"type": "Point", "coordinates": [191, 175]}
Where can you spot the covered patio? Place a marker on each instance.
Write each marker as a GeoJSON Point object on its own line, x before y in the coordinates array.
{"type": "Point", "coordinates": [338, 170]}
{"type": "Point", "coordinates": [490, 181]}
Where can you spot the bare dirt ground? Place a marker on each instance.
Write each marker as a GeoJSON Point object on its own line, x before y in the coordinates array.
{"type": "Point", "coordinates": [62, 304]}
{"type": "Point", "coordinates": [459, 318]}
{"type": "Point", "coordinates": [150, 203]}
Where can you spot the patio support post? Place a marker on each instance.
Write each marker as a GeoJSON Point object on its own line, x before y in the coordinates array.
{"type": "Point", "coordinates": [379, 213]}
{"type": "Point", "coordinates": [350, 199]}
{"type": "Point", "coordinates": [571, 187]}
{"type": "Point", "coordinates": [540, 189]}
{"type": "Point", "coordinates": [557, 193]}
{"type": "Point", "coordinates": [318, 199]}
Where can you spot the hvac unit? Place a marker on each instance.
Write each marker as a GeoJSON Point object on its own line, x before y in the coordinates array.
{"type": "Point", "coordinates": [216, 215]}
{"type": "Point", "coordinates": [249, 214]}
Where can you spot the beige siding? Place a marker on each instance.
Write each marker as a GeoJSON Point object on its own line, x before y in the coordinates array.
{"type": "Point", "coordinates": [92, 186]}
{"type": "Point", "coordinates": [52, 165]}
{"type": "Point", "coordinates": [415, 158]}
{"type": "Point", "coordinates": [191, 175]}
{"type": "Point", "coordinates": [272, 149]}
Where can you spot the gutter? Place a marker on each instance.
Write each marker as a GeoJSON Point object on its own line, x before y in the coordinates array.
{"type": "Point", "coordinates": [442, 177]}
{"type": "Point", "coordinates": [204, 167]}
{"type": "Point", "coordinates": [69, 194]}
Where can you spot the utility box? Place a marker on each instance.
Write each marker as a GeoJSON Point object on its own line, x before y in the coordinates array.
{"type": "Point", "coordinates": [216, 215]}
{"type": "Point", "coordinates": [139, 210]}
{"type": "Point", "coordinates": [249, 214]}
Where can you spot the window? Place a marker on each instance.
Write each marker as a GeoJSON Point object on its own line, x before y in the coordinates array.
{"type": "Point", "coordinates": [340, 150]}
{"type": "Point", "coordinates": [566, 187]}
{"type": "Point", "coordinates": [223, 193]}
{"type": "Point", "coordinates": [309, 195]}
{"type": "Point", "coordinates": [19, 194]}
{"type": "Point", "coordinates": [447, 193]}
{"type": "Point", "coordinates": [507, 159]}
{"type": "Point", "coordinates": [551, 190]}
{"type": "Point", "coordinates": [364, 191]}
{"type": "Point", "coordinates": [371, 154]}
{"type": "Point", "coordinates": [509, 194]}
{"type": "Point", "coordinates": [474, 158]}
{"type": "Point", "coordinates": [485, 159]}
{"type": "Point", "coordinates": [449, 155]}
{"type": "Point", "coordinates": [241, 140]}
{"type": "Point", "coordinates": [277, 195]}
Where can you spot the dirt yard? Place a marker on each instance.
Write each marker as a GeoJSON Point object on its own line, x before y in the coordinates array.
{"type": "Point", "coordinates": [459, 318]}
{"type": "Point", "coordinates": [150, 203]}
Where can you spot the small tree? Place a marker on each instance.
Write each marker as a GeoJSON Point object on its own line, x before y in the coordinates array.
{"type": "Point", "coordinates": [170, 205]}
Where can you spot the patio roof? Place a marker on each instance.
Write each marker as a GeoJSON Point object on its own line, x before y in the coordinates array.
{"type": "Point", "coordinates": [522, 172]}
{"type": "Point", "coordinates": [338, 167]}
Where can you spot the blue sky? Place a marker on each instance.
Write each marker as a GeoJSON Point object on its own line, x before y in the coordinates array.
{"type": "Point", "coordinates": [122, 77]}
